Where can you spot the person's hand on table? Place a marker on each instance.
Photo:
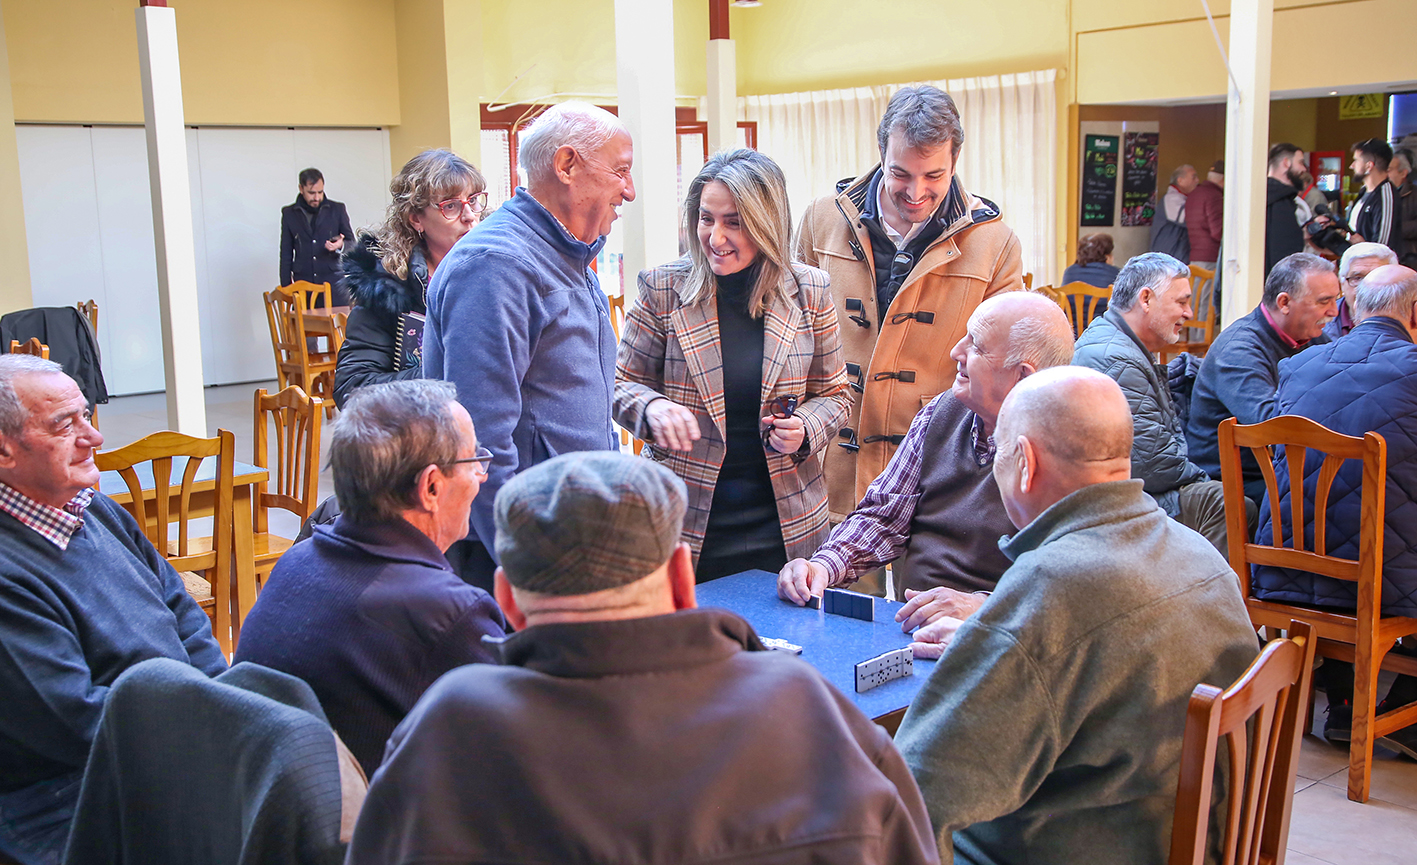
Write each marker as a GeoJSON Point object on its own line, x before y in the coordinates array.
{"type": "Point", "coordinates": [800, 580]}
{"type": "Point", "coordinates": [672, 425]}
{"type": "Point", "coordinates": [930, 641]}
{"type": "Point", "coordinates": [786, 433]}
{"type": "Point", "coordinates": [922, 608]}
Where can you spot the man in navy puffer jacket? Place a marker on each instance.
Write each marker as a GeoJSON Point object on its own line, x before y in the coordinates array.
{"type": "Point", "coordinates": [1366, 381]}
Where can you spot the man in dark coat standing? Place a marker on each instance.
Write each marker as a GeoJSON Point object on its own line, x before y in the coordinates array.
{"type": "Point", "coordinates": [1365, 382]}
{"type": "Point", "coordinates": [312, 233]}
{"type": "Point", "coordinates": [1282, 234]}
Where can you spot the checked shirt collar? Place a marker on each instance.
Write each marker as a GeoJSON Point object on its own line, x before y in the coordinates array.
{"type": "Point", "coordinates": [56, 525]}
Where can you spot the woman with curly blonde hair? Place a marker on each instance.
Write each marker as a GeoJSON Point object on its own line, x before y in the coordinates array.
{"type": "Point", "coordinates": [436, 199]}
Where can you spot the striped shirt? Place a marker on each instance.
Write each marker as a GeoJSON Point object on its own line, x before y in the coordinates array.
{"type": "Point", "coordinates": [56, 525]}
{"type": "Point", "coordinates": [876, 531]}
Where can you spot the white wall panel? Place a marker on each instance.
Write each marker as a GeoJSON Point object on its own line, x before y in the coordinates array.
{"type": "Point", "coordinates": [89, 224]}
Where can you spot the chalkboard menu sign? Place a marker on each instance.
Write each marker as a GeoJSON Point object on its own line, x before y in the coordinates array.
{"type": "Point", "coordinates": [1139, 178]}
{"type": "Point", "coordinates": [1099, 179]}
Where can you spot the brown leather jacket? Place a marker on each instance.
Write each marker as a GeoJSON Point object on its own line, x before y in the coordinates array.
{"type": "Point", "coordinates": [976, 256]}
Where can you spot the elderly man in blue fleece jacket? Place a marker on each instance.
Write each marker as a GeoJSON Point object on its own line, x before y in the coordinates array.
{"type": "Point", "coordinates": [516, 318]}
{"type": "Point", "coordinates": [1364, 382]}
{"type": "Point", "coordinates": [83, 597]}
{"type": "Point", "coordinates": [1050, 730]}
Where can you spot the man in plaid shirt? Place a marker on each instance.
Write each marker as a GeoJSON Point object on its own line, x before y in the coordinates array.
{"type": "Point", "coordinates": [83, 597]}
{"type": "Point", "coordinates": [936, 510]}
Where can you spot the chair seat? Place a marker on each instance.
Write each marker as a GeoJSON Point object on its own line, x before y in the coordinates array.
{"type": "Point", "coordinates": [269, 548]}
{"type": "Point", "coordinates": [199, 589]}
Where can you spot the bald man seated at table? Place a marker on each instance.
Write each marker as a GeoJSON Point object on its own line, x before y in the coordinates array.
{"type": "Point", "coordinates": [936, 510]}
{"type": "Point", "coordinates": [1050, 730]}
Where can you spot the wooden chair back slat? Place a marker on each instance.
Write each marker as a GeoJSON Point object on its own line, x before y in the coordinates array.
{"type": "Point", "coordinates": [1261, 718]}
{"type": "Point", "coordinates": [89, 309]}
{"type": "Point", "coordinates": [1027, 281]}
{"type": "Point", "coordinates": [159, 450]}
{"type": "Point", "coordinates": [298, 419]}
{"type": "Point", "coordinates": [1327, 473]}
{"type": "Point", "coordinates": [310, 292]}
{"type": "Point", "coordinates": [1079, 302]}
{"type": "Point", "coordinates": [30, 346]}
{"type": "Point", "coordinates": [1294, 456]}
{"type": "Point", "coordinates": [1271, 484]}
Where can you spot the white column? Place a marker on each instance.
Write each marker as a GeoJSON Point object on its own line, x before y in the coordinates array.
{"type": "Point", "coordinates": [1246, 146]}
{"type": "Point", "coordinates": [644, 70]}
{"type": "Point", "coordinates": [722, 95]}
{"type": "Point", "coordinates": [172, 219]}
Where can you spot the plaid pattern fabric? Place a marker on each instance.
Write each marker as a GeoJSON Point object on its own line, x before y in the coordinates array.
{"type": "Point", "coordinates": [672, 350]}
{"type": "Point", "coordinates": [55, 525]}
{"type": "Point", "coordinates": [878, 528]}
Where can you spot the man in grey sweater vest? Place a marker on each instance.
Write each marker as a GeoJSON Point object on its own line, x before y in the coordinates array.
{"type": "Point", "coordinates": [935, 511]}
{"type": "Point", "coordinates": [1050, 730]}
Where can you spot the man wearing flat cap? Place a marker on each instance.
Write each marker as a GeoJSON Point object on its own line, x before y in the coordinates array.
{"type": "Point", "coordinates": [624, 725]}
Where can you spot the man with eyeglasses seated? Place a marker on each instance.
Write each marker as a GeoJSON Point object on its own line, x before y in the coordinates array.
{"type": "Point", "coordinates": [368, 611]}
{"type": "Point", "coordinates": [83, 597]}
{"type": "Point", "coordinates": [936, 510]}
{"type": "Point", "coordinates": [517, 319]}
{"type": "Point", "coordinates": [1358, 261]}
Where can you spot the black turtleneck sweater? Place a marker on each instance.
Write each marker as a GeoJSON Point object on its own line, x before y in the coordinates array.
{"type": "Point", "coordinates": [743, 528]}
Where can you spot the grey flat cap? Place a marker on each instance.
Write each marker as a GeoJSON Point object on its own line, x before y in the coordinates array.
{"type": "Point", "coordinates": [589, 521]}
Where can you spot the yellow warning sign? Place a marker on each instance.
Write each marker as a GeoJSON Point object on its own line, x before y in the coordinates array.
{"type": "Point", "coordinates": [1362, 106]}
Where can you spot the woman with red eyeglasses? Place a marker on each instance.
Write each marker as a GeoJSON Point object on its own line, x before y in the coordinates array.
{"type": "Point", "coordinates": [730, 370]}
{"type": "Point", "coordinates": [437, 198]}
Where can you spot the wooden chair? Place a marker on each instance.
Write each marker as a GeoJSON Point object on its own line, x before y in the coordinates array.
{"type": "Point", "coordinates": [1261, 718]}
{"type": "Point", "coordinates": [171, 502]}
{"type": "Point", "coordinates": [313, 373]}
{"type": "Point", "coordinates": [1028, 282]}
{"type": "Point", "coordinates": [30, 346]}
{"type": "Point", "coordinates": [297, 466]}
{"type": "Point", "coordinates": [89, 309]}
{"type": "Point", "coordinates": [1363, 637]}
{"type": "Point", "coordinates": [1080, 302]}
{"type": "Point", "coordinates": [1202, 303]}
{"type": "Point", "coordinates": [617, 314]}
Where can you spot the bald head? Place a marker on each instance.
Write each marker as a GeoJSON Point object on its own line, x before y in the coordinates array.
{"type": "Point", "coordinates": [1059, 431]}
{"type": "Point", "coordinates": [1391, 291]}
{"type": "Point", "coordinates": [1009, 337]}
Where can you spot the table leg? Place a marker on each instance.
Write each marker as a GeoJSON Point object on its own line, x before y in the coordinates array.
{"type": "Point", "coordinates": [244, 566]}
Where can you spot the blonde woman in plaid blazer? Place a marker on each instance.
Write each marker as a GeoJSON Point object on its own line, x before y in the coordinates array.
{"type": "Point", "coordinates": [713, 343]}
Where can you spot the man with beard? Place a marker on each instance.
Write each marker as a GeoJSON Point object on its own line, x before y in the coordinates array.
{"type": "Point", "coordinates": [312, 233]}
{"type": "Point", "coordinates": [1374, 216]}
{"type": "Point", "coordinates": [910, 254]}
{"type": "Point", "coordinates": [1282, 234]}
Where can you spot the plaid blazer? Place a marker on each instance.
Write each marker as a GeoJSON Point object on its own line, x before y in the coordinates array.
{"type": "Point", "coordinates": [672, 350]}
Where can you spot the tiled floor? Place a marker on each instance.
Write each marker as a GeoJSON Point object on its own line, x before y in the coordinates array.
{"type": "Point", "coordinates": [1325, 827]}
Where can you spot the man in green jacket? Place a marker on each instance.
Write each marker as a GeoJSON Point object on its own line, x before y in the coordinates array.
{"type": "Point", "coordinates": [1050, 730]}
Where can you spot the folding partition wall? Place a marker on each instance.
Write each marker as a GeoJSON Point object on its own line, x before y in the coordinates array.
{"type": "Point", "coordinates": [88, 223]}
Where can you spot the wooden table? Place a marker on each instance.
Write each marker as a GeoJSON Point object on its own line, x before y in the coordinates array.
{"type": "Point", "coordinates": [833, 644]}
{"type": "Point", "coordinates": [243, 571]}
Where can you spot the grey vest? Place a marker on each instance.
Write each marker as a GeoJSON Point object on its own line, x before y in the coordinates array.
{"type": "Point", "coordinates": [954, 535]}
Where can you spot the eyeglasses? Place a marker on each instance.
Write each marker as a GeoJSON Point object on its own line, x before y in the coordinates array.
{"type": "Point", "coordinates": [483, 459]}
{"type": "Point", "coordinates": [782, 407]}
{"type": "Point", "coordinates": [453, 207]}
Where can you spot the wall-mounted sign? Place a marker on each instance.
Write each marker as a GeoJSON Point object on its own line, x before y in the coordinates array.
{"type": "Point", "coordinates": [1362, 106]}
{"type": "Point", "coordinates": [1099, 179]}
{"type": "Point", "coordinates": [1139, 177]}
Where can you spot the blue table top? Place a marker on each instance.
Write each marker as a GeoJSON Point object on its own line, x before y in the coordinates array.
{"type": "Point", "coordinates": [833, 644]}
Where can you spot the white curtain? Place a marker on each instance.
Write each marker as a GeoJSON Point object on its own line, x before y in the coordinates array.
{"type": "Point", "coordinates": [1009, 154]}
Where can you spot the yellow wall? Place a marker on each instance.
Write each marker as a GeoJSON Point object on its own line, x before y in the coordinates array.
{"type": "Point", "coordinates": [252, 62]}
{"type": "Point", "coordinates": [15, 287]}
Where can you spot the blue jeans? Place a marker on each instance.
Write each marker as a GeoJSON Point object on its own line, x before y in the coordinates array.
{"type": "Point", "coordinates": [35, 820]}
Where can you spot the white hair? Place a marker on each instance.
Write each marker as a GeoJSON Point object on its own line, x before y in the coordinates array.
{"type": "Point", "coordinates": [1386, 296]}
{"type": "Point", "coordinates": [14, 366]}
{"type": "Point", "coordinates": [578, 125]}
{"type": "Point", "coordinates": [1363, 250]}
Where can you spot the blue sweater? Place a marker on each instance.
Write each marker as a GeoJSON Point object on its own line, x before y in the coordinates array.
{"type": "Point", "coordinates": [1237, 379]}
{"type": "Point", "coordinates": [1366, 381]}
{"type": "Point", "coordinates": [71, 621]}
{"type": "Point", "coordinates": [518, 322]}
{"type": "Point", "coordinates": [369, 615]}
